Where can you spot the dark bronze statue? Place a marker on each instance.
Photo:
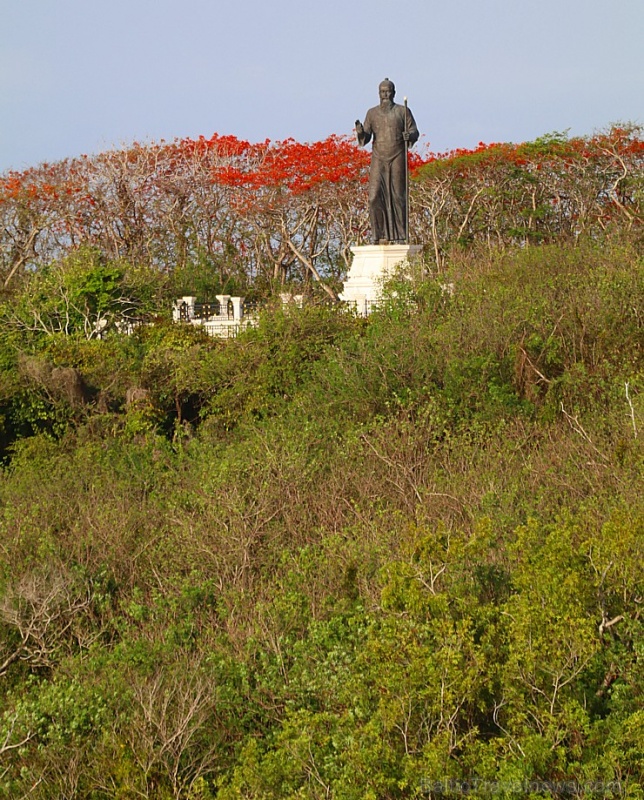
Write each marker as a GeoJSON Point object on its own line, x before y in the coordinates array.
{"type": "Point", "coordinates": [393, 130]}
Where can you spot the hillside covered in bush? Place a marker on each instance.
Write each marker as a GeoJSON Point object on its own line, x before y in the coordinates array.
{"type": "Point", "coordinates": [335, 557]}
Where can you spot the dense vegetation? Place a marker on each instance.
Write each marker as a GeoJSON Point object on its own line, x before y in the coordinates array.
{"type": "Point", "coordinates": [333, 557]}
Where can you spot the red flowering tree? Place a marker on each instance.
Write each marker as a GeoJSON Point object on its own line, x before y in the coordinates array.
{"type": "Point", "coordinates": [270, 213]}
{"type": "Point", "coordinates": [302, 206]}
{"type": "Point", "coordinates": [157, 204]}
{"type": "Point", "coordinates": [504, 194]}
{"type": "Point", "coordinates": [36, 211]}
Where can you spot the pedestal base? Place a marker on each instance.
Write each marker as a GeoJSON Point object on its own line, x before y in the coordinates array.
{"type": "Point", "coordinates": [371, 266]}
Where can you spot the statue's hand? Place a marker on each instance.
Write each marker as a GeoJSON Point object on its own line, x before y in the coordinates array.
{"type": "Point", "coordinates": [359, 127]}
{"type": "Point", "coordinates": [406, 136]}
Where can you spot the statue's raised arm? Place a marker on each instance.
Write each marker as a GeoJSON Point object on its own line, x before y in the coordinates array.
{"type": "Point", "coordinates": [362, 135]}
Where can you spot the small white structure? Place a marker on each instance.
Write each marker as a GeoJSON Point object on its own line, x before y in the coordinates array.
{"type": "Point", "coordinates": [292, 299]}
{"type": "Point", "coordinates": [223, 319]}
{"type": "Point", "coordinates": [371, 265]}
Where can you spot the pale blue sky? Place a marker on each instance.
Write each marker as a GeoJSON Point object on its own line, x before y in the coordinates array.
{"type": "Point", "coordinates": [81, 76]}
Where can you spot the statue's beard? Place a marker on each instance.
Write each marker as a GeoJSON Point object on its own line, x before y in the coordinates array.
{"type": "Point", "coordinates": [386, 103]}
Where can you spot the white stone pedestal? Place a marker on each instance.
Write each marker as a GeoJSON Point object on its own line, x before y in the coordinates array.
{"type": "Point", "coordinates": [371, 265]}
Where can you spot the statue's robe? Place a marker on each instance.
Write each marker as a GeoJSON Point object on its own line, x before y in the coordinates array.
{"type": "Point", "coordinates": [387, 176]}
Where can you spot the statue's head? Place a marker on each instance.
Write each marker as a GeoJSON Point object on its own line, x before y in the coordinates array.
{"type": "Point", "coordinates": [387, 90]}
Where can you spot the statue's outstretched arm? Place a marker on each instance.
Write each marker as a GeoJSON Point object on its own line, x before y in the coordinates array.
{"type": "Point", "coordinates": [364, 137]}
